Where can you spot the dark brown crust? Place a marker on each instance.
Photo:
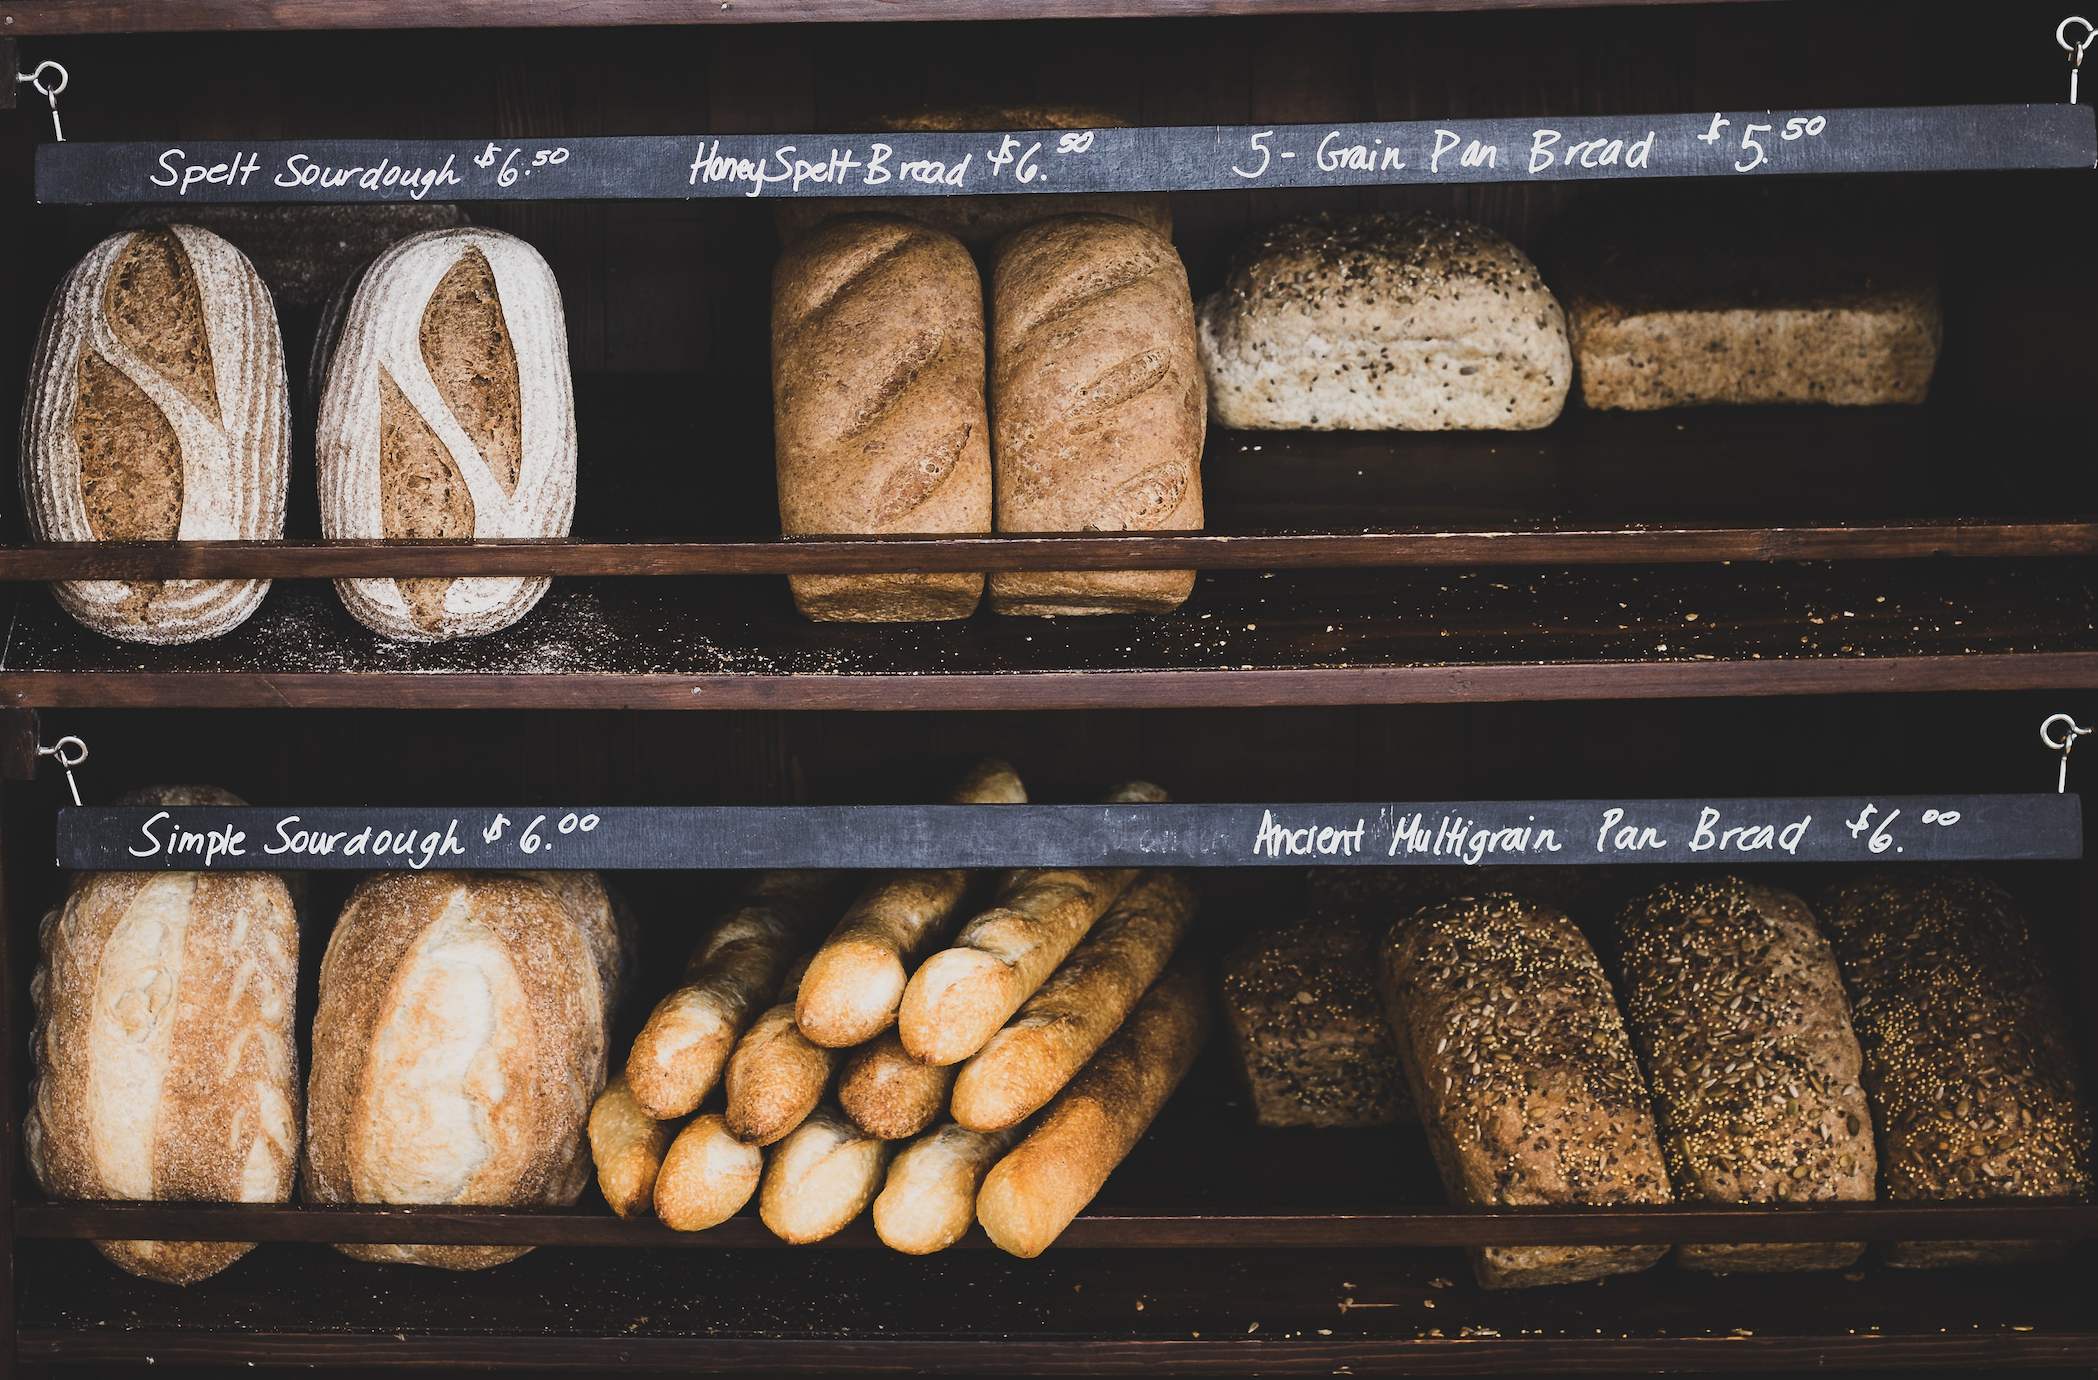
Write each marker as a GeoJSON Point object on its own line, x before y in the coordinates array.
{"type": "Point", "coordinates": [466, 344]}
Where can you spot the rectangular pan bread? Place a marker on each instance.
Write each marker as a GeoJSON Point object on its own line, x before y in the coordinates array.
{"type": "Point", "coordinates": [1734, 1001]}
{"type": "Point", "coordinates": [1524, 1077]}
{"type": "Point", "coordinates": [1967, 1055]}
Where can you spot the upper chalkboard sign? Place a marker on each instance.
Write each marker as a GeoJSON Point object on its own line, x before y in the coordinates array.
{"type": "Point", "coordinates": [1549, 832]}
{"type": "Point", "coordinates": [1541, 149]}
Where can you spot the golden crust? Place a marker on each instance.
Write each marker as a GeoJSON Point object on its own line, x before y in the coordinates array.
{"type": "Point", "coordinates": [889, 1094]}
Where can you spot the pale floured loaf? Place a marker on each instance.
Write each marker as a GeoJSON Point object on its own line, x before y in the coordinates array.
{"type": "Point", "coordinates": [1379, 322]}
{"type": "Point", "coordinates": [166, 1058]}
{"type": "Point", "coordinates": [459, 1044]}
{"type": "Point", "coordinates": [448, 412]}
{"type": "Point", "coordinates": [157, 410]}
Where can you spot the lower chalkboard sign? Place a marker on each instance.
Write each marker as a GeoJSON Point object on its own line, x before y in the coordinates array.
{"type": "Point", "coordinates": [1884, 829]}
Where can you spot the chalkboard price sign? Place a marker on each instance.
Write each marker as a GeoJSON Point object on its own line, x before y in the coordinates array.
{"type": "Point", "coordinates": [1556, 833]}
{"type": "Point", "coordinates": [1168, 159]}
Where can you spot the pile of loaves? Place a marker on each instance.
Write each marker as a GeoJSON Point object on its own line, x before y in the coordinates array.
{"type": "Point", "coordinates": [959, 1048]}
{"type": "Point", "coordinates": [1903, 1044]}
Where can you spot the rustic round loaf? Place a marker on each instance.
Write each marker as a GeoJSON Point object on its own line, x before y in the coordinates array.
{"type": "Point", "coordinates": [157, 410]}
{"type": "Point", "coordinates": [448, 412]}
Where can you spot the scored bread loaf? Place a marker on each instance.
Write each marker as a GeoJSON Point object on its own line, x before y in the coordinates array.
{"type": "Point", "coordinates": [928, 1199]}
{"type": "Point", "coordinates": [1379, 322]}
{"type": "Point", "coordinates": [878, 407]}
{"type": "Point", "coordinates": [459, 1044]}
{"type": "Point", "coordinates": [1097, 405]}
{"type": "Point", "coordinates": [978, 220]}
{"type": "Point", "coordinates": [776, 1075]}
{"type": "Point", "coordinates": [1523, 1075]}
{"type": "Point", "coordinates": [1967, 1055]}
{"type": "Point", "coordinates": [820, 1177]}
{"type": "Point", "coordinates": [157, 409]}
{"type": "Point", "coordinates": [627, 1145]}
{"type": "Point", "coordinates": [707, 1175]}
{"type": "Point", "coordinates": [1734, 1001]}
{"type": "Point", "coordinates": [448, 412]}
{"type": "Point", "coordinates": [166, 1059]}
{"type": "Point", "coordinates": [887, 1093]}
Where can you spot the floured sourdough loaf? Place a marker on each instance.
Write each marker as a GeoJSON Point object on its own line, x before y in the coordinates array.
{"type": "Point", "coordinates": [1379, 322]}
{"type": "Point", "coordinates": [1097, 405]}
{"type": "Point", "coordinates": [1967, 1055]}
{"type": "Point", "coordinates": [157, 410]}
{"type": "Point", "coordinates": [460, 1041]}
{"type": "Point", "coordinates": [166, 1056]}
{"type": "Point", "coordinates": [977, 220]}
{"type": "Point", "coordinates": [448, 412]}
{"type": "Point", "coordinates": [1309, 1029]}
{"type": "Point", "coordinates": [1734, 1001]}
{"type": "Point", "coordinates": [1523, 1075]}
{"type": "Point", "coordinates": [878, 408]}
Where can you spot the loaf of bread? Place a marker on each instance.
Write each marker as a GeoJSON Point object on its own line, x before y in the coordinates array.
{"type": "Point", "coordinates": [887, 1093]}
{"type": "Point", "coordinates": [821, 1177]}
{"type": "Point", "coordinates": [878, 407]}
{"type": "Point", "coordinates": [1384, 322]}
{"type": "Point", "coordinates": [166, 1059]}
{"type": "Point", "coordinates": [459, 1045]}
{"type": "Point", "coordinates": [1526, 1083]}
{"type": "Point", "coordinates": [977, 220]}
{"type": "Point", "coordinates": [1967, 1055]}
{"type": "Point", "coordinates": [928, 1200]}
{"type": "Point", "coordinates": [157, 409]}
{"type": "Point", "coordinates": [776, 1075]}
{"type": "Point", "coordinates": [627, 1145]}
{"type": "Point", "coordinates": [1097, 405]}
{"type": "Point", "coordinates": [707, 1176]}
{"type": "Point", "coordinates": [1737, 1010]}
{"type": "Point", "coordinates": [448, 412]}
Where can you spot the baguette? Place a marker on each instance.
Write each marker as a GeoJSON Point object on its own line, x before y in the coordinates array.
{"type": "Point", "coordinates": [777, 1075]}
{"type": "Point", "coordinates": [960, 998]}
{"type": "Point", "coordinates": [852, 988]}
{"type": "Point", "coordinates": [928, 1200]}
{"type": "Point", "coordinates": [820, 1177]}
{"type": "Point", "coordinates": [707, 1177]}
{"type": "Point", "coordinates": [1047, 1043]}
{"type": "Point", "coordinates": [627, 1146]}
{"type": "Point", "coordinates": [1032, 1194]}
{"type": "Point", "coordinates": [679, 1055]}
{"type": "Point", "coordinates": [889, 1094]}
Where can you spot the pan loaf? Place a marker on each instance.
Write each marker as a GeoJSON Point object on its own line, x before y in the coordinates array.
{"type": "Point", "coordinates": [1098, 405]}
{"type": "Point", "coordinates": [878, 406]}
{"type": "Point", "coordinates": [627, 1145]}
{"type": "Point", "coordinates": [776, 1075]}
{"type": "Point", "coordinates": [158, 410]}
{"type": "Point", "coordinates": [889, 1094]}
{"type": "Point", "coordinates": [1738, 1012]}
{"type": "Point", "coordinates": [708, 1175]}
{"type": "Point", "coordinates": [928, 1200]}
{"type": "Point", "coordinates": [821, 1177]}
{"type": "Point", "coordinates": [1524, 1077]}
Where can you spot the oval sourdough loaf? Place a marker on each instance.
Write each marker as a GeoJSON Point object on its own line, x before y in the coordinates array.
{"type": "Point", "coordinates": [1097, 405]}
{"type": "Point", "coordinates": [448, 412]}
{"type": "Point", "coordinates": [1381, 322]}
{"type": "Point", "coordinates": [459, 1044]}
{"type": "Point", "coordinates": [878, 410]}
{"type": "Point", "coordinates": [977, 220]}
{"type": "Point", "coordinates": [1967, 1054]}
{"type": "Point", "coordinates": [1734, 1001]}
{"type": "Point", "coordinates": [1524, 1077]}
{"type": "Point", "coordinates": [157, 410]}
{"type": "Point", "coordinates": [165, 1049]}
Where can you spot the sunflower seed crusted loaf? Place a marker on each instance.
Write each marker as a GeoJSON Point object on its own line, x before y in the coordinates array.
{"type": "Point", "coordinates": [1523, 1074]}
{"type": "Point", "coordinates": [1309, 1027]}
{"type": "Point", "coordinates": [1967, 1055]}
{"type": "Point", "coordinates": [1381, 322]}
{"type": "Point", "coordinates": [1734, 1001]}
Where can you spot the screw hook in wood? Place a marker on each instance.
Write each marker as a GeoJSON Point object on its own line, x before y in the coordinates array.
{"type": "Point", "coordinates": [71, 752]}
{"type": "Point", "coordinates": [2071, 731]}
{"type": "Point", "coordinates": [2075, 50]}
{"type": "Point", "coordinates": [50, 91]}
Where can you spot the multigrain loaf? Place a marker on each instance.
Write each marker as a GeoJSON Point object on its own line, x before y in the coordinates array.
{"type": "Point", "coordinates": [448, 412]}
{"type": "Point", "coordinates": [1967, 1055]}
{"type": "Point", "coordinates": [878, 407]}
{"type": "Point", "coordinates": [1376, 322]}
{"type": "Point", "coordinates": [1735, 1004]}
{"type": "Point", "coordinates": [978, 220]}
{"type": "Point", "coordinates": [1524, 1077]}
{"type": "Point", "coordinates": [157, 409]}
{"type": "Point", "coordinates": [459, 1045]}
{"type": "Point", "coordinates": [1098, 405]}
{"type": "Point", "coordinates": [166, 1060]}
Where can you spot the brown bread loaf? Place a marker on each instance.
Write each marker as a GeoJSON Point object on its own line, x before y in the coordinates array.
{"type": "Point", "coordinates": [777, 1074]}
{"type": "Point", "coordinates": [1097, 405]}
{"type": "Point", "coordinates": [1525, 1080]}
{"type": "Point", "coordinates": [1734, 1002]}
{"type": "Point", "coordinates": [887, 1093]}
{"type": "Point", "coordinates": [627, 1145]}
{"type": "Point", "coordinates": [1967, 1055]}
{"type": "Point", "coordinates": [878, 406]}
{"type": "Point", "coordinates": [928, 1200]}
{"type": "Point", "coordinates": [707, 1176]}
{"type": "Point", "coordinates": [821, 1177]}
{"type": "Point", "coordinates": [166, 1062]}
{"type": "Point", "coordinates": [157, 409]}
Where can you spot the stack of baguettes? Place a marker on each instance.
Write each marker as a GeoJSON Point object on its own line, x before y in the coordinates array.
{"type": "Point", "coordinates": [999, 1078]}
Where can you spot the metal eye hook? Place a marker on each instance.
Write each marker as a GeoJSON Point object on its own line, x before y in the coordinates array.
{"type": "Point", "coordinates": [70, 752]}
{"type": "Point", "coordinates": [50, 93]}
{"type": "Point", "coordinates": [2074, 50]}
{"type": "Point", "coordinates": [2071, 731]}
